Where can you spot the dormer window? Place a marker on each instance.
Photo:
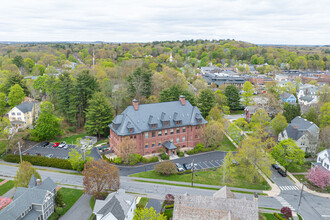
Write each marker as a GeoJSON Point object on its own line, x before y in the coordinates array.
{"type": "Point", "coordinates": [131, 130]}
{"type": "Point", "coordinates": [178, 122]}
{"type": "Point", "coordinates": [199, 120]}
{"type": "Point", "coordinates": [166, 123]}
{"type": "Point", "coordinates": [154, 126]}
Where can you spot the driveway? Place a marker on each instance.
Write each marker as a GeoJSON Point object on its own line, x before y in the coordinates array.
{"type": "Point", "coordinates": [156, 204]}
{"type": "Point", "coordinates": [203, 161]}
{"type": "Point", "coordinates": [233, 117]}
{"type": "Point", "coordinates": [80, 210]}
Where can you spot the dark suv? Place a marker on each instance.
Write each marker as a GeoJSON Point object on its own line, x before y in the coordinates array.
{"type": "Point", "coordinates": [45, 144]}
{"type": "Point", "coordinates": [275, 166]}
{"type": "Point", "coordinates": [281, 172]}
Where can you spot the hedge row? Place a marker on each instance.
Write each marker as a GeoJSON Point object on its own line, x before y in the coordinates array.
{"type": "Point", "coordinates": [40, 161]}
{"type": "Point", "coordinates": [133, 158]}
{"type": "Point", "coordinates": [200, 148]}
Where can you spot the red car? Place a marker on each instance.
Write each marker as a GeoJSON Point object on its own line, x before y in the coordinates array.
{"type": "Point", "coordinates": [56, 144]}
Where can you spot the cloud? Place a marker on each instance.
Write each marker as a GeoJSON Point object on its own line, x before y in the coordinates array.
{"type": "Point", "coordinates": [285, 22]}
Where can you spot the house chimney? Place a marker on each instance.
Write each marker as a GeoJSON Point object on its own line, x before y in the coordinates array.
{"type": "Point", "coordinates": [38, 182]}
{"type": "Point", "coordinates": [135, 104]}
{"type": "Point", "coordinates": [182, 100]}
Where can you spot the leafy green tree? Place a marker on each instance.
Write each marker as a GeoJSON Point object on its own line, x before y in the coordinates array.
{"type": "Point", "coordinates": [18, 61]}
{"type": "Point", "coordinates": [242, 123]}
{"type": "Point", "coordinates": [247, 93]}
{"type": "Point", "coordinates": [13, 79]}
{"type": "Point", "coordinates": [233, 98]}
{"type": "Point", "coordinates": [139, 83]}
{"type": "Point", "coordinates": [206, 101]}
{"type": "Point", "coordinates": [291, 111]}
{"type": "Point", "coordinates": [288, 154]}
{"type": "Point", "coordinates": [252, 156]}
{"type": "Point", "coordinates": [311, 115]}
{"type": "Point", "coordinates": [325, 115]}
{"type": "Point", "coordinates": [77, 160]}
{"type": "Point", "coordinates": [172, 94]}
{"type": "Point", "coordinates": [39, 69]}
{"type": "Point", "coordinates": [99, 115]}
{"type": "Point", "coordinates": [48, 125]}
{"type": "Point", "coordinates": [260, 117]}
{"type": "Point", "coordinates": [24, 174]}
{"type": "Point", "coordinates": [148, 214]}
{"type": "Point", "coordinates": [278, 124]}
{"type": "Point", "coordinates": [16, 95]}
{"type": "Point", "coordinates": [212, 133]}
{"type": "Point", "coordinates": [3, 103]}
{"type": "Point", "coordinates": [29, 64]}
{"type": "Point", "coordinates": [228, 168]}
{"type": "Point", "coordinates": [214, 115]}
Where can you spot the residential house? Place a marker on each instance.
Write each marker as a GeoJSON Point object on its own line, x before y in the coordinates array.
{"type": "Point", "coordinates": [288, 97]}
{"type": "Point", "coordinates": [305, 134]}
{"type": "Point", "coordinates": [250, 110]}
{"type": "Point", "coordinates": [323, 160]}
{"type": "Point", "coordinates": [35, 202]}
{"type": "Point", "coordinates": [25, 114]}
{"type": "Point", "coordinates": [222, 205]}
{"type": "Point", "coordinates": [158, 125]}
{"type": "Point", "coordinates": [117, 206]}
{"type": "Point", "coordinates": [307, 94]}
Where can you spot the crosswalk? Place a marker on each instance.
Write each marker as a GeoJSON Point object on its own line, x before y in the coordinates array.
{"type": "Point", "coordinates": [283, 202]}
{"type": "Point", "coordinates": [289, 188]}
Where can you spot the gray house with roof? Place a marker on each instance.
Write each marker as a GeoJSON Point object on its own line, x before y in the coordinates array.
{"type": "Point", "coordinates": [323, 160]}
{"type": "Point", "coordinates": [305, 134]}
{"type": "Point", "coordinates": [152, 126]}
{"type": "Point", "coordinates": [25, 114]}
{"type": "Point", "coordinates": [33, 203]}
{"type": "Point", "coordinates": [117, 206]}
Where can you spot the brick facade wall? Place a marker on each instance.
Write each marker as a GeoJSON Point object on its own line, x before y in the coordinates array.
{"type": "Point", "coordinates": [186, 139]}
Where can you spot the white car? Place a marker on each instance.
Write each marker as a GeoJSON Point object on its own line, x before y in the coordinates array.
{"type": "Point", "coordinates": [62, 144]}
{"type": "Point", "coordinates": [50, 155]}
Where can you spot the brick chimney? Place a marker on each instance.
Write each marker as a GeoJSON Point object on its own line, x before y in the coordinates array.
{"type": "Point", "coordinates": [38, 182]}
{"type": "Point", "coordinates": [182, 100]}
{"type": "Point", "coordinates": [135, 104]}
{"type": "Point", "coordinates": [295, 127]}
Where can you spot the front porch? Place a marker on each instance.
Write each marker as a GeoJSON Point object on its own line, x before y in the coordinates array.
{"type": "Point", "coordinates": [170, 148]}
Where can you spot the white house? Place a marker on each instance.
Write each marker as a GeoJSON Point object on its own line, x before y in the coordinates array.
{"type": "Point", "coordinates": [323, 159]}
{"type": "Point", "coordinates": [307, 94]}
{"type": "Point", "coordinates": [117, 206]}
{"type": "Point", "coordinates": [305, 134]}
{"type": "Point", "coordinates": [24, 114]}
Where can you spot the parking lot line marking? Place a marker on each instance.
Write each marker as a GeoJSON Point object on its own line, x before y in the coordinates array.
{"type": "Point", "coordinates": [206, 165]}
{"type": "Point", "coordinates": [217, 163]}
{"type": "Point", "coordinates": [212, 164]}
{"type": "Point", "coordinates": [201, 166]}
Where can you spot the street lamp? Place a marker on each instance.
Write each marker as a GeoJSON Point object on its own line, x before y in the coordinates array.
{"type": "Point", "coordinates": [20, 152]}
{"type": "Point", "coordinates": [302, 189]}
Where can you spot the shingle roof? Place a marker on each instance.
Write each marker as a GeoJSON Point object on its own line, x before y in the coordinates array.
{"type": "Point", "coordinates": [285, 95]}
{"type": "Point", "coordinates": [302, 124]}
{"type": "Point", "coordinates": [169, 145]}
{"type": "Point", "coordinates": [293, 133]}
{"type": "Point", "coordinates": [33, 181]}
{"type": "Point", "coordinates": [155, 113]}
{"type": "Point", "coordinates": [26, 106]}
{"type": "Point", "coordinates": [307, 98]}
{"type": "Point", "coordinates": [298, 126]}
{"type": "Point", "coordinates": [47, 184]}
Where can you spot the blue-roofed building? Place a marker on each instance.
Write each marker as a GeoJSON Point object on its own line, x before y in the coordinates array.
{"type": "Point", "coordinates": [153, 125]}
{"type": "Point", "coordinates": [288, 97]}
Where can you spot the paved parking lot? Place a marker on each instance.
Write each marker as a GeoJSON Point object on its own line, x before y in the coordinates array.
{"type": "Point", "coordinates": [43, 151]}
{"type": "Point", "coordinates": [56, 151]}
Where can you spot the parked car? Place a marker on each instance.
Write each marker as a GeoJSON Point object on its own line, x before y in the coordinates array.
{"type": "Point", "coordinates": [179, 167]}
{"type": "Point", "coordinates": [66, 146]}
{"type": "Point", "coordinates": [275, 166]}
{"type": "Point", "coordinates": [26, 153]}
{"type": "Point", "coordinates": [187, 166]}
{"type": "Point", "coordinates": [45, 144]}
{"type": "Point", "coordinates": [56, 144]}
{"type": "Point", "coordinates": [49, 155]}
{"type": "Point", "coordinates": [281, 172]}
{"type": "Point", "coordinates": [62, 144]}
{"type": "Point", "coordinates": [38, 154]}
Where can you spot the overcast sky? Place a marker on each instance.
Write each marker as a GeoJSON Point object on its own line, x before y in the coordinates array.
{"type": "Point", "coordinates": [255, 21]}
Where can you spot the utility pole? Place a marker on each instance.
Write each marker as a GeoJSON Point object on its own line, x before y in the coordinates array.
{"type": "Point", "coordinates": [224, 172]}
{"type": "Point", "coordinates": [192, 173]}
{"type": "Point", "coordinates": [302, 189]}
{"type": "Point", "coordinates": [19, 149]}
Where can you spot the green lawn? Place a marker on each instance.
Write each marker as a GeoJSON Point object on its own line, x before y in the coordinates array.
{"type": "Point", "coordinates": [226, 145]}
{"type": "Point", "coordinates": [102, 141]}
{"type": "Point", "coordinates": [143, 201]}
{"type": "Point", "coordinates": [268, 216]}
{"type": "Point", "coordinates": [237, 112]}
{"type": "Point", "coordinates": [70, 139]}
{"type": "Point", "coordinates": [92, 202]}
{"type": "Point", "coordinates": [6, 187]}
{"type": "Point", "coordinates": [70, 196]}
{"type": "Point", "coordinates": [209, 177]}
{"type": "Point", "coordinates": [301, 169]}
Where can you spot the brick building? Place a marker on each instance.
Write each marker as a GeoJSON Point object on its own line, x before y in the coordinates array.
{"type": "Point", "coordinates": [158, 125]}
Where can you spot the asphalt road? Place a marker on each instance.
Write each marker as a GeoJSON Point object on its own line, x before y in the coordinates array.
{"type": "Point", "coordinates": [203, 161]}
{"type": "Point", "coordinates": [81, 210]}
{"type": "Point", "coordinates": [311, 207]}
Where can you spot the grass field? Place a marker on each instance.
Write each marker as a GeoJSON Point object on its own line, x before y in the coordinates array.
{"type": "Point", "coordinates": [226, 145]}
{"type": "Point", "coordinates": [208, 177]}
{"type": "Point", "coordinates": [6, 187]}
{"type": "Point", "coordinates": [70, 196]}
{"type": "Point", "coordinates": [237, 112]}
{"type": "Point", "coordinates": [143, 201]}
{"type": "Point", "coordinates": [301, 169]}
{"type": "Point", "coordinates": [70, 139]}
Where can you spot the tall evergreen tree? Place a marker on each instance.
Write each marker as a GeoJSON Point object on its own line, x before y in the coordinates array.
{"type": "Point", "coordinates": [291, 111]}
{"type": "Point", "coordinates": [206, 101]}
{"type": "Point", "coordinates": [64, 92]}
{"type": "Point", "coordinates": [173, 93]}
{"type": "Point", "coordinates": [82, 91]}
{"type": "Point", "coordinates": [233, 98]}
{"type": "Point", "coordinates": [99, 115]}
{"type": "Point", "coordinates": [139, 83]}
{"type": "Point", "coordinates": [13, 79]}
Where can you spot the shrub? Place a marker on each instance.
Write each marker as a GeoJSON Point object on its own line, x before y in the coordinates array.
{"type": "Point", "coordinates": [59, 210]}
{"type": "Point", "coordinates": [169, 199]}
{"type": "Point", "coordinates": [153, 159]}
{"type": "Point", "coordinates": [59, 199]}
{"type": "Point", "coordinates": [180, 153]}
{"type": "Point", "coordinates": [118, 160]}
{"type": "Point", "coordinates": [134, 159]}
{"type": "Point", "coordinates": [169, 206]}
{"type": "Point", "coordinates": [278, 216]}
{"type": "Point", "coordinates": [166, 168]}
{"type": "Point", "coordinates": [164, 156]}
{"type": "Point", "coordinates": [40, 161]}
{"type": "Point", "coordinates": [286, 211]}
{"type": "Point", "coordinates": [106, 159]}
{"type": "Point", "coordinates": [140, 206]}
